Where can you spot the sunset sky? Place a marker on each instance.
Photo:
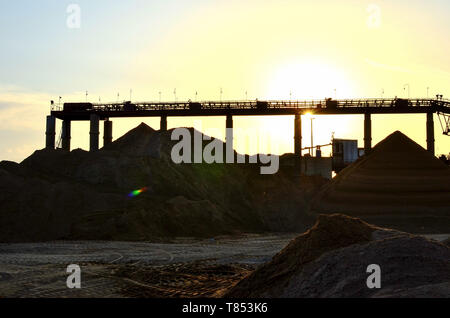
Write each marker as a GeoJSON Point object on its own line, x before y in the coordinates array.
{"type": "Point", "coordinates": [269, 49]}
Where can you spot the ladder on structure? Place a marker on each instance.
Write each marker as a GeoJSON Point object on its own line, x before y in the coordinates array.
{"type": "Point", "coordinates": [444, 120]}
{"type": "Point", "coordinates": [59, 142]}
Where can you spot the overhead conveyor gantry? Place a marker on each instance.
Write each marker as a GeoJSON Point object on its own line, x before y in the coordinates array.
{"type": "Point", "coordinates": [367, 107]}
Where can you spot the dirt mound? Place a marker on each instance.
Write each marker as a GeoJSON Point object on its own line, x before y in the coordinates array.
{"type": "Point", "coordinates": [55, 194]}
{"type": "Point", "coordinates": [330, 232]}
{"type": "Point", "coordinates": [330, 260]}
{"type": "Point", "coordinates": [140, 141]}
{"type": "Point", "coordinates": [398, 177]}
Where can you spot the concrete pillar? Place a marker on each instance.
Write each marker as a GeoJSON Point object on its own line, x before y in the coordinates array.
{"type": "Point", "coordinates": [367, 133]}
{"type": "Point", "coordinates": [65, 135]}
{"type": "Point", "coordinates": [298, 143]}
{"type": "Point", "coordinates": [107, 132]}
{"type": "Point", "coordinates": [430, 133]}
{"type": "Point", "coordinates": [298, 135]}
{"type": "Point", "coordinates": [50, 132]}
{"type": "Point", "coordinates": [229, 140]}
{"type": "Point", "coordinates": [94, 132]}
{"type": "Point", "coordinates": [163, 126]}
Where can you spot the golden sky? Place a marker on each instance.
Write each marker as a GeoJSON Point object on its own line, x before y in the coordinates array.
{"type": "Point", "coordinates": [269, 49]}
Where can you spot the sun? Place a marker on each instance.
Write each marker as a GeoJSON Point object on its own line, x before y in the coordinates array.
{"type": "Point", "coordinates": [309, 79]}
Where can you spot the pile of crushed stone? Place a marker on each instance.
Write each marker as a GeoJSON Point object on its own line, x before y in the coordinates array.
{"type": "Point", "coordinates": [399, 179]}
{"type": "Point", "coordinates": [79, 195]}
{"type": "Point", "coordinates": [331, 259]}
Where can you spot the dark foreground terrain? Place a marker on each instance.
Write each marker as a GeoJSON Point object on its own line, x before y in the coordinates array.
{"type": "Point", "coordinates": [329, 260]}
{"type": "Point", "coordinates": [183, 268]}
{"type": "Point", "coordinates": [74, 208]}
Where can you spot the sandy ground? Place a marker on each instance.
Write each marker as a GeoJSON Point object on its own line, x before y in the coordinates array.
{"type": "Point", "coordinates": [184, 268]}
{"type": "Point", "coordinates": [109, 269]}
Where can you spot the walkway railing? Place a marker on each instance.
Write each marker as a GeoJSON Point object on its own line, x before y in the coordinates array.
{"type": "Point", "coordinates": [271, 104]}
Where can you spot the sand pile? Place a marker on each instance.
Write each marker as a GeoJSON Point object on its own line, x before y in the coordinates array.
{"type": "Point", "coordinates": [140, 141]}
{"type": "Point", "coordinates": [81, 195]}
{"type": "Point", "coordinates": [330, 260]}
{"type": "Point", "coordinates": [398, 178]}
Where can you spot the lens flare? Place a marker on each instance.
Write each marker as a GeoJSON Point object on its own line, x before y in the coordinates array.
{"type": "Point", "coordinates": [135, 193]}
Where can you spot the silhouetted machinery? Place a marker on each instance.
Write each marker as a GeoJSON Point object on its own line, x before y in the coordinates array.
{"type": "Point", "coordinates": [345, 152]}
{"type": "Point", "coordinates": [261, 105]}
{"type": "Point", "coordinates": [70, 107]}
{"type": "Point", "coordinates": [195, 106]}
{"type": "Point", "coordinates": [401, 103]}
{"type": "Point", "coordinates": [329, 103]}
{"type": "Point", "coordinates": [129, 107]}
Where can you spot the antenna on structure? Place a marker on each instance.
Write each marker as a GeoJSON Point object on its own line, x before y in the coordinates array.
{"type": "Point", "coordinates": [175, 93]}
{"type": "Point", "coordinates": [221, 92]}
{"type": "Point", "coordinates": [86, 96]}
{"type": "Point", "coordinates": [196, 94]}
{"type": "Point", "coordinates": [118, 96]}
{"type": "Point", "coordinates": [159, 96]}
{"type": "Point", "coordinates": [404, 88]}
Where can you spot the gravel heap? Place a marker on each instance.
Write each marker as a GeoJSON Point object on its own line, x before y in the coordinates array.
{"type": "Point", "coordinates": [80, 195]}
{"type": "Point", "coordinates": [398, 179]}
{"type": "Point", "coordinates": [331, 259]}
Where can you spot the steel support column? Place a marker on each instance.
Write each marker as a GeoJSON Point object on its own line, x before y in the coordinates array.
{"type": "Point", "coordinates": [298, 142]}
{"type": "Point", "coordinates": [430, 133]}
{"type": "Point", "coordinates": [163, 125]}
{"type": "Point", "coordinates": [229, 139]}
{"type": "Point", "coordinates": [94, 132]}
{"type": "Point", "coordinates": [367, 133]}
{"type": "Point", "coordinates": [298, 135]}
{"type": "Point", "coordinates": [107, 132]}
{"type": "Point", "coordinates": [65, 134]}
{"type": "Point", "coordinates": [50, 132]}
